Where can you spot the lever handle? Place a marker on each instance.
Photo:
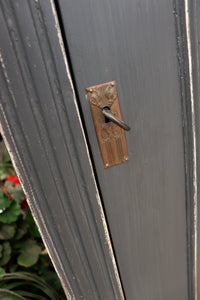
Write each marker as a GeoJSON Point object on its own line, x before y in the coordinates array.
{"type": "Point", "coordinates": [110, 115]}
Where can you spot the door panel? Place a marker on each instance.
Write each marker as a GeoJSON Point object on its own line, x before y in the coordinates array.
{"type": "Point", "coordinates": [134, 43]}
{"type": "Point", "coordinates": [43, 132]}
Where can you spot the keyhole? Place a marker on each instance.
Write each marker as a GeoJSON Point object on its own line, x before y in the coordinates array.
{"type": "Point", "coordinates": [106, 119]}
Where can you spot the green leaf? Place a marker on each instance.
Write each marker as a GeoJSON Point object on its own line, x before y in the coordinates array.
{"type": "Point", "coordinates": [31, 280]}
{"type": "Point", "coordinates": [22, 228]}
{"type": "Point", "coordinates": [32, 226]}
{"type": "Point", "coordinates": [1, 250]}
{"type": "Point", "coordinates": [3, 297]}
{"type": "Point", "coordinates": [6, 167]}
{"type": "Point", "coordinates": [10, 295]}
{"type": "Point", "coordinates": [15, 190]}
{"type": "Point", "coordinates": [5, 171]}
{"type": "Point", "coordinates": [4, 201]}
{"type": "Point", "coordinates": [30, 252]}
{"type": "Point", "coordinates": [9, 185]}
{"type": "Point", "coordinates": [2, 271]}
{"type": "Point", "coordinates": [11, 214]}
{"type": "Point", "coordinates": [7, 231]}
{"type": "Point", "coordinates": [9, 284]}
{"type": "Point", "coordinates": [5, 155]}
{"type": "Point", "coordinates": [52, 279]}
{"type": "Point", "coordinates": [31, 295]}
{"type": "Point", "coordinates": [6, 253]}
{"type": "Point", "coordinates": [13, 267]}
{"type": "Point", "coordinates": [18, 194]}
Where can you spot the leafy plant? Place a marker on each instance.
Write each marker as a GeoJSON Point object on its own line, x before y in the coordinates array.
{"type": "Point", "coordinates": [21, 285]}
{"type": "Point", "coordinates": [21, 247]}
{"type": "Point", "coordinates": [6, 167]}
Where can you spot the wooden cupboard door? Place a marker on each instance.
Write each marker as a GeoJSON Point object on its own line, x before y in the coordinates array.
{"type": "Point", "coordinates": [42, 128]}
{"type": "Point", "coordinates": [51, 52]}
{"type": "Point", "coordinates": [135, 43]}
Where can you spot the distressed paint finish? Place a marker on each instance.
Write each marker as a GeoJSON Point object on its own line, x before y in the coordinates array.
{"type": "Point", "coordinates": [193, 167]}
{"type": "Point", "coordinates": [135, 44]}
{"type": "Point", "coordinates": [42, 129]}
{"type": "Point", "coordinates": [192, 16]}
{"type": "Point", "coordinates": [37, 101]}
{"type": "Point", "coordinates": [188, 34]}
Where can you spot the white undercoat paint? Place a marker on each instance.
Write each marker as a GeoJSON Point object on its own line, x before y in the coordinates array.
{"type": "Point", "coordinates": [189, 50]}
{"type": "Point", "coordinates": [107, 237]}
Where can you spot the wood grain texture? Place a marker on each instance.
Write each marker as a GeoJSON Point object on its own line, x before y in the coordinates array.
{"type": "Point", "coordinates": [186, 17]}
{"type": "Point", "coordinates": [193, 124]}
{"type": "Point", "coordinates": [43, 132]}
{"type": "Point", "coordinates": [135, 44]}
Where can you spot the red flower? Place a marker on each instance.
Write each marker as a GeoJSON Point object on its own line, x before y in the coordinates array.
{"type": "Point", "coordinates": [10, 178]}
{"type": "Point", "coordinates": [46, 261]}
{"type": "Point", "coordinates": [16, 181]}
{"type": "Point", "coordinates": [24, 204]}
{"type": "Point", "coordinates": [10, 198]}
{"type": "Point", "coordinates": [13, 179]}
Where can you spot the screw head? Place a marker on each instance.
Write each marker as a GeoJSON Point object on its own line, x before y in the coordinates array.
{"type": "Point", "coordinates": [126, 158]}
{"type": "Point", "coordinates": [90, 90]}
{"type": "Point", "coordinates": [107, 165]}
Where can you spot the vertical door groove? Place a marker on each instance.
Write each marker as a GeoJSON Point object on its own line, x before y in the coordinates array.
{"type": "Point", "coordinates": [42, 129]}
{"type": "Point", "coordinates": [80, 112]}
{"type": "Point", "coordinates": [187, 28]}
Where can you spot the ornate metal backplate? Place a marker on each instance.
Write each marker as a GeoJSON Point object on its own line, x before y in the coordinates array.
{"type": "Point", "coordinates": [111, 137]}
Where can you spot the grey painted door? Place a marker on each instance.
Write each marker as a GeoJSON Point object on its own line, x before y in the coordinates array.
{"type": "Point", "coordinates": [40, 123]}
{"type": "Point", "coordinates": [147, 206]}
{"type": "Point", "coordinates": [135, 43]}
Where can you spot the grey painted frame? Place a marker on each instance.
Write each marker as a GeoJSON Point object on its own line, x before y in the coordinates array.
{"type": "Point", "coordinates": [186, 16]}
{"type": "Point", "coordinates": [41, 126]}
{"type": "Point", "coordinates": [188, 50]}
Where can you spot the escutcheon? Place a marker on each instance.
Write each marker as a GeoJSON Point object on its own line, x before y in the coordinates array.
{"type": "Point", "coordinates": [109, 127]}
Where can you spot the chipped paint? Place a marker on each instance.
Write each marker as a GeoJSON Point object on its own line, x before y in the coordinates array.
{"type": "Point", "coordinates": [15, 157]}
{"type": "Point", "coordinates": [48, 247]}
{"type": "Point", "coordinates": [108, 241]}
{"type": "Point", "coordinates": [27, 179]}
{"type": "Point", "coordinates": [7, 79]}
{"type": "Point", "coordinates": [189, 49]}
{"type": "Point", "coordinates": [107, 237]}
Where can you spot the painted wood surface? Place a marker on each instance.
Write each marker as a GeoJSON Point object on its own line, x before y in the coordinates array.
{"type": "Point", "coordinates": [42, 129]}
{"type": "Point", "coordinates": [135, 44]}
{"type": "Point", "coordinates": [193, 34]}
{"type": "Point", "coordinates": [187, 32]}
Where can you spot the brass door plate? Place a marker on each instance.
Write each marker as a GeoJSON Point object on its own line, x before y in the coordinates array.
{"type": "Point", "coordinates": [111, 137]}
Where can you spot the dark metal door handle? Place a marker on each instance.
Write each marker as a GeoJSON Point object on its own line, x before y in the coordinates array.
{"type": "Point", "coordinates": [110, 115]}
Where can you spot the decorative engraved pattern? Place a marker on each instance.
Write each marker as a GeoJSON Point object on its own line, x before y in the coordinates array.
{"type": "Point", "coordinates": [109, 153]}
{"type": "Point", "coordinates": [110, 136]}
{"type": "Point", "coordinates": [116, 131]}
{"type": "Point", "coordinates": [119, 149]}
{"type": "Point", "coordinates": [111, 94]}
{"type": "Point", "coordinates": [105, 134]}
{"type": "Point", "coordinates": [95, 97]}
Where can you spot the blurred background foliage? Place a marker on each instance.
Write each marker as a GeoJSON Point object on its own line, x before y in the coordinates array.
{"type": "Point", "coordinates": [26, 271]}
